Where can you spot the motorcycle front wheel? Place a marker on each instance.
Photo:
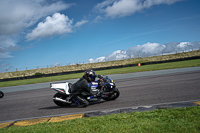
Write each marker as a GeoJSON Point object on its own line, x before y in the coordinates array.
{"type": "Point", "coordinates": [59, 103]}
{"type": "Point", "coordinates": [112, 96]}
{"type": "Point", "coordinates": [1, 94]}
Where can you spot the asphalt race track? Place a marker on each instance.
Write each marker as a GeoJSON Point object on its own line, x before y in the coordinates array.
{"type": "Point", "coordinates": [145, 88]}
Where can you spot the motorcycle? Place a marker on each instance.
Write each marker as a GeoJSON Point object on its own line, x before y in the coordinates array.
{"type": "Point", "coordinates": [101, 89]}
{"type": "Point", "coordinates": [1, 94]}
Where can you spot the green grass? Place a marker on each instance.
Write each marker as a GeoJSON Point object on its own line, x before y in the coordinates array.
{"type": "Point", "coordinates": [182, 120]}
{"type": "Point", "coordinates": [180, 64]}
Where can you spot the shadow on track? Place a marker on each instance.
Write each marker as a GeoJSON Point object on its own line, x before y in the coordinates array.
{"type": "Point", "coordinates": [71, 106]}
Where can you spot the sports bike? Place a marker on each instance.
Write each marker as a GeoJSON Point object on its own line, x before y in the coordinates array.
{"type": "Point", "coordinates": [101, 89]}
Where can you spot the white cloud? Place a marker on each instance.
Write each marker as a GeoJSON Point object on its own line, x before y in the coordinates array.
{"type": "Point", "coordinates": [20, 14]}
{"type": "Point", "coordinates": [100, 6]}
{"type": "Point", "coordinates": [16, 16]}
{"type": "Point", "coordinates": [55, 65]}
{"type": "Point", "coordinates": [80, 23]}
{"type": "Point", "coordinates": [116, 55]}
{"type": "Point", "coordinates": [7, 45]}
{"type": "Point", "coordinates": [99, 59]}
{"type": "Point", "coordinates": [148, 49]}
{"type": "Point", "coordinates": [55, 25]}
{"type": "Point", "coordinates": [121, 8]}
{"type": "Point", "coordinates": [183, 44]}
{"type": "Point", "coordinates": [145, 49]}
{"type": "Point", "coordinates": [5, 54]}
{"type": "Point", "coordinates": [97, 19]}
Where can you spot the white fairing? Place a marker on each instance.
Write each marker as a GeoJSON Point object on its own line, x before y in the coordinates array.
{"type": "Point", "coordinates": [61, 86]}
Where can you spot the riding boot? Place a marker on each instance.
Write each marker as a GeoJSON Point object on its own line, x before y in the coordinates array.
{"type": "Point", "coordinates": [68, 99]}
{"type": "Point", "coordinates": [84, 102]}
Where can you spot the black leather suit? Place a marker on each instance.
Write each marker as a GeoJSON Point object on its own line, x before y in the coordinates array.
{"type": "Point", "coordinates": [82, 85]}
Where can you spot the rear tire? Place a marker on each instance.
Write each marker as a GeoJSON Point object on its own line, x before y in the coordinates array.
{"type": "Point", "coordinates": [61, 104]}
{"type": "Point", "coordinates": [1, 94]}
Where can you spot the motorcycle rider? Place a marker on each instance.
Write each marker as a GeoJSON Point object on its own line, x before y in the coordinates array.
{"type": "Point", "coordinates": [83, 85]}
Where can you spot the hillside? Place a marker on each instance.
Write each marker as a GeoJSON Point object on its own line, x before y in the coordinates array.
{"type": "Point", "coordinates": [97, 65]}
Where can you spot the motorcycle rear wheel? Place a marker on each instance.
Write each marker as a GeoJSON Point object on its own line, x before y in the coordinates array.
{"type": "Point", "coordinates": [61, 104]}
{"type": "Point", "coordinates": [1, 94]}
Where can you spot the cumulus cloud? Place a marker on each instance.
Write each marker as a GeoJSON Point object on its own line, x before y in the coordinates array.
{"type": "Point", "coordinates": [16, 15]}
{"type": "Point", "coordinates": [116, 55]}
{"type": "Point", "coordinates": [121, 8]}
{"type": "Point", "coordinates": [148, 49]}
{"type": "Point", "coordinates": [55, 25]}
{"type": "Point", "coordinates": [145, 49]}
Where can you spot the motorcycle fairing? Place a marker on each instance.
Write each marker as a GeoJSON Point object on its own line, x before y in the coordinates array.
{"type": "Point", "coordinates": [61, 87]}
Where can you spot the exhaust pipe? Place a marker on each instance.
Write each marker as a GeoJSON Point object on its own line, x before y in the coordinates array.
{"type": "Point", "coordinates": [61, 100]}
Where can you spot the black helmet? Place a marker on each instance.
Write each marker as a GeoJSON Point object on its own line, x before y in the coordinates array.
{"type": "Point", "coordinates": [90, 75]}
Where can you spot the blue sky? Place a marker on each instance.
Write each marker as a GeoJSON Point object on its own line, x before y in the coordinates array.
{"type": "Point", "coordinates": [41, 33]}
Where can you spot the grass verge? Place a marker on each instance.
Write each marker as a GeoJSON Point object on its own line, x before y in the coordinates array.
{"type": "Point", "coordinates": [182, 120]}
{"type": "Point", "coordinates": [180, 64]}
{"type": "Point", "coordinates": [76, 67]}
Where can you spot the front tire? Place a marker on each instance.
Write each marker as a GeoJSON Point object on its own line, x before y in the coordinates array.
{"type": "Point", "coordinates": [113, 96]}
{"type": "Point", "coordinates": [61, 104]}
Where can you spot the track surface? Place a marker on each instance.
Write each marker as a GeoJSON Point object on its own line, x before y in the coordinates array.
{"type": "Point", "coordinates": [135, 91]}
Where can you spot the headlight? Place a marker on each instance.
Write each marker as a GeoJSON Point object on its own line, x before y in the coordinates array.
{"type": "Point", "coordinates": [112, 84]}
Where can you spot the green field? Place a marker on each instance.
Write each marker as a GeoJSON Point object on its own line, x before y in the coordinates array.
{"type": "Point", "coordinates": [180, 64]}
{"type": "Point", "coordinates": [182, 120]}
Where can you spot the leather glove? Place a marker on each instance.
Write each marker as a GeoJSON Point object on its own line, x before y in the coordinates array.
{"type": "Point", "coordinates": [100, 76]}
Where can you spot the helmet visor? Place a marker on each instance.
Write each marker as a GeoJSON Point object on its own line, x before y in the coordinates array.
{"type": "Point", "coordinates": [92, 77]}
